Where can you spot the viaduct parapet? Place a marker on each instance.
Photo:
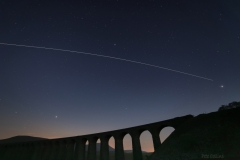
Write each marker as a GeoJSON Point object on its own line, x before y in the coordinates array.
{"type": "Point", "coordinates": [74, 148]}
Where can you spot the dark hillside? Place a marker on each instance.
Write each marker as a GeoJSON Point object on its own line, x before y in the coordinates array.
{"type": "Point", "coordinates": [18, 139]}
{"type": "Point", "coordinates": [214, 135]}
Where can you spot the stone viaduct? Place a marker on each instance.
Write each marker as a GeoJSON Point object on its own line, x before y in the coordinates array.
{"type": "Point", "coordinates": [73, 148]}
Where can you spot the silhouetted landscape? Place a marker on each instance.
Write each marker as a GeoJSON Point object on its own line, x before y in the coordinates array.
{"type": "Point", "coordinates": [215, 135]}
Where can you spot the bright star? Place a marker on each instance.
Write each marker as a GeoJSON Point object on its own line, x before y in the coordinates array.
{"type": "Point", "coordinates": [221, 86]}
{"type": "Point", "coordinates": [56, 116]}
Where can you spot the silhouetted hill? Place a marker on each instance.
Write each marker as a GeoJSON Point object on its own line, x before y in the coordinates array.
{"type": "Point", "coordinates": [18, 139]}
{"type": "Point", "coordinates": [207, 136]}
{"type": "Point", "coordinates": [99, 146]}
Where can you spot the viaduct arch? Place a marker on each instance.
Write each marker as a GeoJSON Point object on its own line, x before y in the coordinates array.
{"type": "Point", "coordinates": [73, 148]}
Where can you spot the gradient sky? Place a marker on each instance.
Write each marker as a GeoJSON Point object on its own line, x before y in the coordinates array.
{"type": "Point", "coordinates": [52, 94]}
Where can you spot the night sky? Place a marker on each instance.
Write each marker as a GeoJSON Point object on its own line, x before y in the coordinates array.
{"type": "Point", "coordinates": [51, 94]}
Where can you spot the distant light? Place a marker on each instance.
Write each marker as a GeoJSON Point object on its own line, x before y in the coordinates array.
{"type": "Point", "coordinates": [56, 116]}
{"type": "Point", "coordinates": [221, 86]}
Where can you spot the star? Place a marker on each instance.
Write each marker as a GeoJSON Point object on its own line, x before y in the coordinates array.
{"type": "Point", "coordinates": [56, 116]}
{"type": "Point", "coordinates": [221, 86]}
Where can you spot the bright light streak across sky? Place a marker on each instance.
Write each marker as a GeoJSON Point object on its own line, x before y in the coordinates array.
{"type": "Point", "coordinates": [146, 64]}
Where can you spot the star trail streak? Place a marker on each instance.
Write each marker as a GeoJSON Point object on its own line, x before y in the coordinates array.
{"type": "Point", "coordinates": [116, 58]}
